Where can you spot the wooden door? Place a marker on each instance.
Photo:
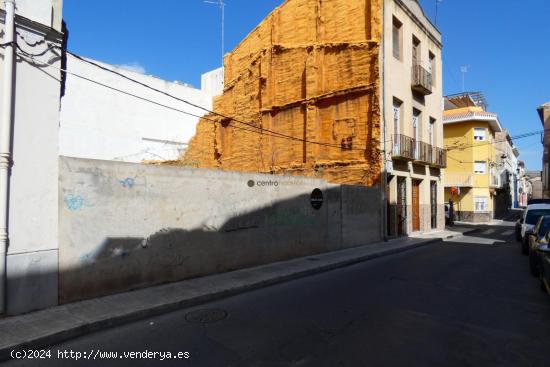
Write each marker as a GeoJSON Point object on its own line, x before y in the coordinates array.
{"type": "Point", "coordinates": [416, 205]}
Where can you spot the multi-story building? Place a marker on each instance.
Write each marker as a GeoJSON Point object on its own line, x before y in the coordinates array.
{"type": "Point", "coordinates": [413, 133]}
{"type": "Point", "coordinates": [471, 177]}
{"type": "Point", "coordinates": [544, 114]}
{"type": "Point", "coordinates": [309, 92]}
{"type": "Point", "coordinates": [537, 187]}
{"type": "Point", "coordinates": [525, 189]}
{"type": "Point", "coordinates": [507, 169]}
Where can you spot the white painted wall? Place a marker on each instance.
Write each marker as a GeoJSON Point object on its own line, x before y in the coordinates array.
{"type": "Point", "coordinates": [212, 82]}
{"type": "Point", "coordinates": [33, 192]}
{"type": "Point", "coordinates": [100, 123]}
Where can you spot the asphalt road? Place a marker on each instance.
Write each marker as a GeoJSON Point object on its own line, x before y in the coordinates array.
{"type": "Point", "coordinates": [468, 302]}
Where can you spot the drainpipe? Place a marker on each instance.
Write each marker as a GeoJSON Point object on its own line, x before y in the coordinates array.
{"type": "Point", "coordinates": [381, 59]}
{"type": "Point", "coordinates": [5, 142]}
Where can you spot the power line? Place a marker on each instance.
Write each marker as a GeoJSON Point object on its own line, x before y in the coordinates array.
{"type": "Point", "coordinates": [252, 129]}
{"type": "Point", "coordinates": [255, 129]}
{"type": "Point", "coordinates": [517, 137]}
{"type": "Point", "coordinates": [249, 124]}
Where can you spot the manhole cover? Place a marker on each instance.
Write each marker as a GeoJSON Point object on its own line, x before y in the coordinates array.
{"type": "Point", "coordinates": [205, 316]}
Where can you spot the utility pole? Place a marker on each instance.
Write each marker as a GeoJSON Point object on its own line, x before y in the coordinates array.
{"type": "Point", "coordinates": [221, 4]}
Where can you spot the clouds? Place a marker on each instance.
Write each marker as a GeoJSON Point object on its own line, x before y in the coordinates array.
{"type": "Point", "coordinates": [136, 67]}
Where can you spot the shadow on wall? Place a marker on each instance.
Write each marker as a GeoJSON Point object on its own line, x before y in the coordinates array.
{"type": "Point", "coordinates": [124, 226]}
{"type": "Point", "coordinates": [102, 251]}
{"type": "Point", "coordinates": [286, 229]}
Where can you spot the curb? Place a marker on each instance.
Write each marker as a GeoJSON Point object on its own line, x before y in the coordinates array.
{"type": "Point", "coordinates": [93, 326]}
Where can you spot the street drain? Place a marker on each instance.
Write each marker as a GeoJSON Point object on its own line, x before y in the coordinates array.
{"type": "Point", "coordinates": [205, 316]}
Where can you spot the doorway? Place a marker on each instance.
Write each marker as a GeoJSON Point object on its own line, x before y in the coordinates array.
{"type": "Point", "coordinates": [416, 205]}
{"type": "Point", "coordinates": [401, 206]}
{"type": "Point", "coordinates": [433, 203]}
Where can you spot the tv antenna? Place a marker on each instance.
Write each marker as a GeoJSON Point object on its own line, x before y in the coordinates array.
{"type": "Point", "coordinates": [464, 70]}
{"type": "Point", "coordinates": [221, 4]}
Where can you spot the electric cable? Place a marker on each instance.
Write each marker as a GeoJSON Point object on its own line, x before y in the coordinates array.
{"type": "Point", "coordinates": [255, 129]}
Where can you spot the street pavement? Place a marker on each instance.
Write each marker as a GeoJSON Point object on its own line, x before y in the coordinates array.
{"type": "Point", "coordinates": [467, 301]}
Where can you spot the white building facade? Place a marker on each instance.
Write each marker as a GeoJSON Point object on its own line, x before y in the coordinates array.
{"type": "Point", "coordinates": [29, 244]}
{"type": "Point", "coordinates": [124, 121]}
{"type": "Point", "coordinates": [507, 166]}
{"type": "Point", "coordinates": [413, 120]}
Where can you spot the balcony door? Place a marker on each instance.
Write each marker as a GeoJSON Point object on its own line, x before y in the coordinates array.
{"type": "Point", "coordinates": [396, 126]}
{"type": "Point", "coordinates": [416, 133]}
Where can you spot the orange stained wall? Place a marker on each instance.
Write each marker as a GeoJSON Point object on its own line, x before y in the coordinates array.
{"type": "Point", "coordinates": [310, 70]}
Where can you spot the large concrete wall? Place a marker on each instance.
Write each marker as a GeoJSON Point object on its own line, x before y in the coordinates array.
{"type": "Point", "coordinates": [126, 225]}
{"type": "Point", "coordinates": [309, 70]}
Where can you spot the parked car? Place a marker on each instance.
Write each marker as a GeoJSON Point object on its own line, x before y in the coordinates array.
{"type": "Point", "coordinates": [544, 255]}
{"type": "Point", "coordinates": [537, 237]}
{"type": "Point", "coordinates": [538, 201]}
{"type": "Point", "coordinates": [528, 220]}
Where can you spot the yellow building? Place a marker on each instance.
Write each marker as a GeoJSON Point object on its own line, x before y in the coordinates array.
{"type": "Point", "coordinates": [470, 179]}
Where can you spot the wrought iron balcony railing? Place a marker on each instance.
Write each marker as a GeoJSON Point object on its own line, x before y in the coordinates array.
{"type": "Point", "coordinates": [403, 147]}
{"type": "Point", "coordinates": [439, 157]}
{"type": "Point", "coordinates": [408, 148]}
{"type": "Point", "coordinates": [421, 80]}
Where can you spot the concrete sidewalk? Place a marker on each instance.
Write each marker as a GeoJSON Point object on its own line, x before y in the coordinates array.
{"type": "Point", "coordinates": [54, 325]}
{"type": "Point", "coordinates": [492, 222]}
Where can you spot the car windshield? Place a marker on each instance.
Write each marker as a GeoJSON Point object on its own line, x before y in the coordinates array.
{"type": "Point", "coordinates": [534, 215]}
{"type": "Point", "coordinates": [544, 226]}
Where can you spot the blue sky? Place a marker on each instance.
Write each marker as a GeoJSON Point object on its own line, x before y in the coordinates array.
{"type": "Point", "coordinates": [505, 47]}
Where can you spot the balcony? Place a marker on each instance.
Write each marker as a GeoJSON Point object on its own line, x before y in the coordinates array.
{"type": "Point", "coordinates": [405, 147]}
{"type": "Point", "coordinates": [421, 80]}
{"type": "Point", "coordinates": [424, 152]}
{"type": "Point", "coordinates": [439, 157]}
{"type": "Point", "coordinates": [459, 180]}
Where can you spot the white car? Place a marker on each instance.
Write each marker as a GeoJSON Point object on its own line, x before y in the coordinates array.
{"type": "Point", "coordinates": [528, 221]}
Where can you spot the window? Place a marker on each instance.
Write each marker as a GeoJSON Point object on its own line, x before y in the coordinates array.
{"type": "Point", "coordinates": [396, 34]}
{"type": "Point", "coordinates": [431, 66]}
{"type": "Point", "coordinates": [416, 122]}
{"type": "Point", "coordinates": [479, 133]}
{"type": "Point", "coordinates": [397, 116]}
{"type": "Point", "coordinates": [415, 51]}
{"type": "Point", "coordinates": [480, 167]}
{"type": "Point", "coordinates": [396, 125]}
{"type": "Point", "coordinates": [431, 131]}
{"type": "Point", "coordinates": [481, 204]}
